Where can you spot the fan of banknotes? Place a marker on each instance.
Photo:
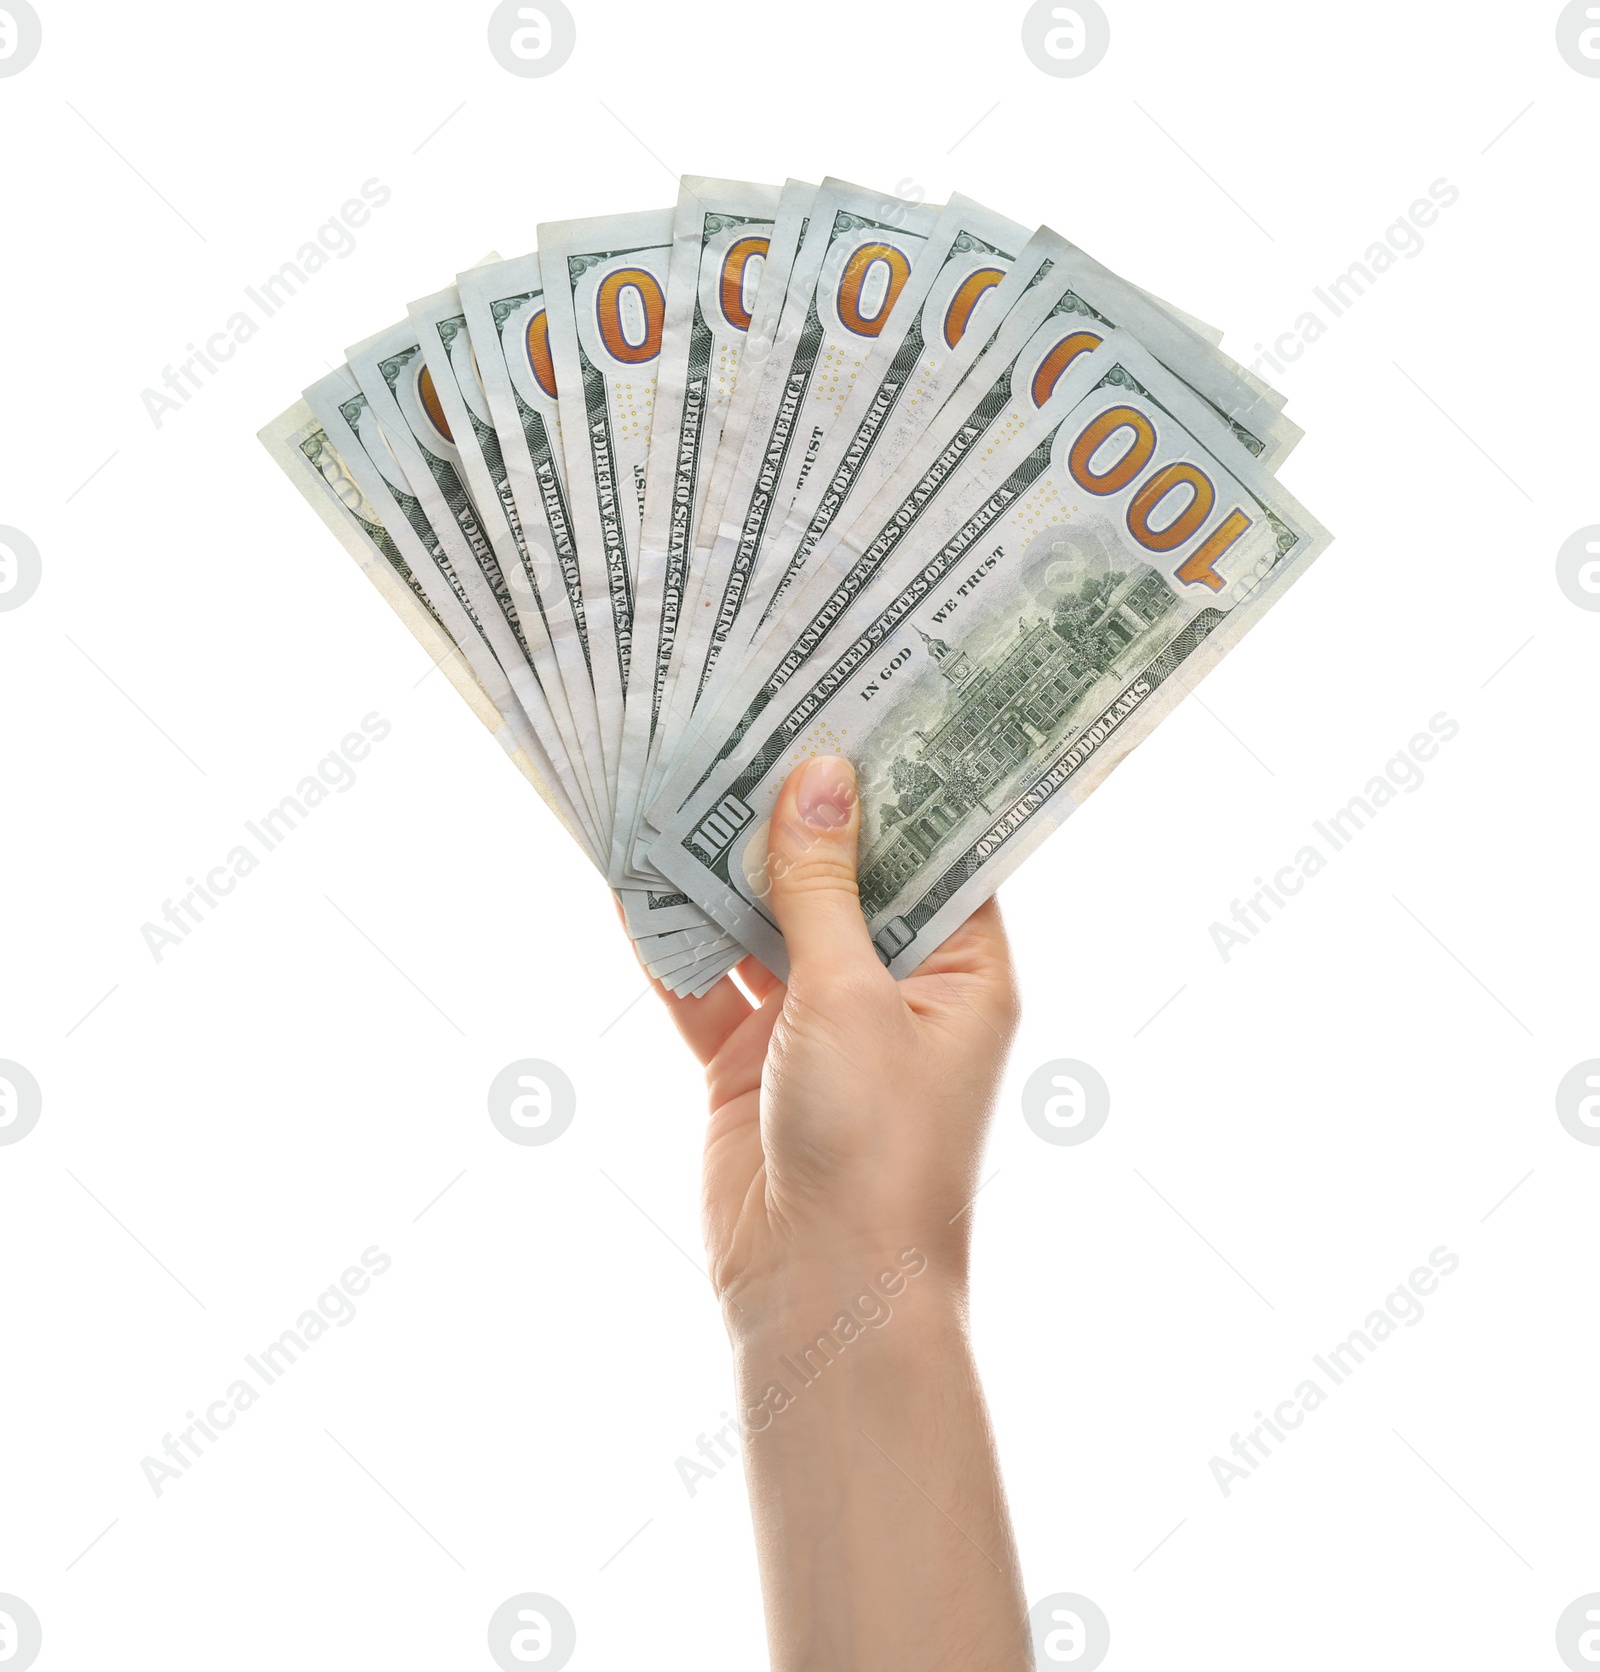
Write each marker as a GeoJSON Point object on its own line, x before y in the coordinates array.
{"type": "Point", "coordinates": [691, 495]}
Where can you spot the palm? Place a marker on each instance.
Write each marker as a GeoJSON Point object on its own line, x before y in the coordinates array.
{"type": "Point", "coordinates": [961, 989]}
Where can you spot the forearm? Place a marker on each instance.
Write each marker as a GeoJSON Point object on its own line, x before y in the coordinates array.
{"type": "Point", "coordinates": [880, 1519]}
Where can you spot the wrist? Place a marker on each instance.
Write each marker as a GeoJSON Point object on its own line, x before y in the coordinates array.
{"type": "Point", "coordinates": [794, 1287]}
{"type": "Point", "coordinates": [838, 1322]}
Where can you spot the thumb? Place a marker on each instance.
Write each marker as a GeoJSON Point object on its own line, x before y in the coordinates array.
{"type": "Point", "coordinates": [811, 861]}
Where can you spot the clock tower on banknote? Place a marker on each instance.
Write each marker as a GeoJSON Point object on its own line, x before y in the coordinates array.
{"type": "Point", "coordinates": [952, 664]}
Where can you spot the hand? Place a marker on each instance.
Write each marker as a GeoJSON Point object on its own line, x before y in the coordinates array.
{"type": "Point", "coordinates": [848, 1109]}
{"type": "Point", "coordinates": [847, 1118]}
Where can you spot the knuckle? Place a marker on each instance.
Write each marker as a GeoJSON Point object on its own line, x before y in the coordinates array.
{"type": "Point", "coordinates": [824, 867]}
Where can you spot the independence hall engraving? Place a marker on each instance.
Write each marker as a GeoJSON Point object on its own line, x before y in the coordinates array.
{"type": "Point", "coordinates": [997, 716]}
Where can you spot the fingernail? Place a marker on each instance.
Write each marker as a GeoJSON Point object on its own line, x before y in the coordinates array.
{"type": "Point", "coordinates": [826, 792]}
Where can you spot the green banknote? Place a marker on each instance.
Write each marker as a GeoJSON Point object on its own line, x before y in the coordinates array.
{"type": "Point", "coordinates": [1098, 561]}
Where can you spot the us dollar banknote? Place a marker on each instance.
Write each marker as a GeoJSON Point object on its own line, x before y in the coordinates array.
{"type": "Point", "coordinates": [450, 382]}
{"type": "Point", "coordinates": [349, 433]}
{"type": "Point", "coordinates": [853, 261]}
{"type": "Point", "coordinates": [606, 283]}
{"type": "Point", "coordinates": [934, 328]}
{"type": "Point", "coordinates": [790, 221]}
{"type": "Point", "coordinates": [959, 296]}
{"type": "Point", "coordinates": [301, 447]}
{"type": "Point", "coordinates": [1055, 307]}
{"type": "Point", "coordinates": [1020, 644]}
{"type": "Point", "coordinates": [687, 496]}
{"type": "Point", "coordinates": [393, 375]}
{"type": "Point", "coordinates": [509, 323]}
{"type": "Point", "coordinates": [721, 236]}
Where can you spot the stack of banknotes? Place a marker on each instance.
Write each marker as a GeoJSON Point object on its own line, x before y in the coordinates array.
{"type": "Point", "coordinates": [691, 495]}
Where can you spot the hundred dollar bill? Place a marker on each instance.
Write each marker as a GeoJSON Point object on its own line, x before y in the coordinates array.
{"type": "Point", "coordinates": [702, 980]}
{"type": "Point", "coordinates": [721, 235]}
{"type": "Point", "coordinates": [504, 306]}
{"type": "Point", "coordinates": [698, 980]}
{"type": "Point", "coordinates": [855, 258]}
{"type": "Point", "coordinates": [300, 446]}
{"type": "Point", "coordinates": [442, 623]}
{"type": "Point", "coordinates": [789, 226]}
{"type": "Point", "coordinates": [353, 446]}
{"type": "Point", "coordinates": [606, 299]}
{"type": "Point", "coordinates": [451, 383]}
{"type": "Point", "coordinates": [687, 960]}
{"type": "Point", "coordinates": [696, 984]}
{"type": "Point", "coordinates": [1015, 651]}
{"type": "Point", "coordinates": [658, 908]}
{"type": "Point", "coordinates": [1062, 305]}
{"type": "Point", "coordinates": [958, 296]}
{"type": "Point", "coordinates": [393, 375]}
{"type": "Point", "coordinates": [926, 339]}
{"type": "Point", "coordinates": [1059, 290]}
{"type": "Point", "coordinates": [507, 317]}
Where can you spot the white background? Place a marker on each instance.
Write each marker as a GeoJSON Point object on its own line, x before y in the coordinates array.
{"type": "Point", "coordinates": [1291, 1130]}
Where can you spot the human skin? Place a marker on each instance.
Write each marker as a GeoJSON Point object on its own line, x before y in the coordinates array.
{"type": "Point", "coordinates": [848, 1113]}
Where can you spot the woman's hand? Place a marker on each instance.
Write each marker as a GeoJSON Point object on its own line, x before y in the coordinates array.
{"type": "Point", "coordinates": [847, 1120]}
{"type": "Point", "coordinates": [848, 1109]}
